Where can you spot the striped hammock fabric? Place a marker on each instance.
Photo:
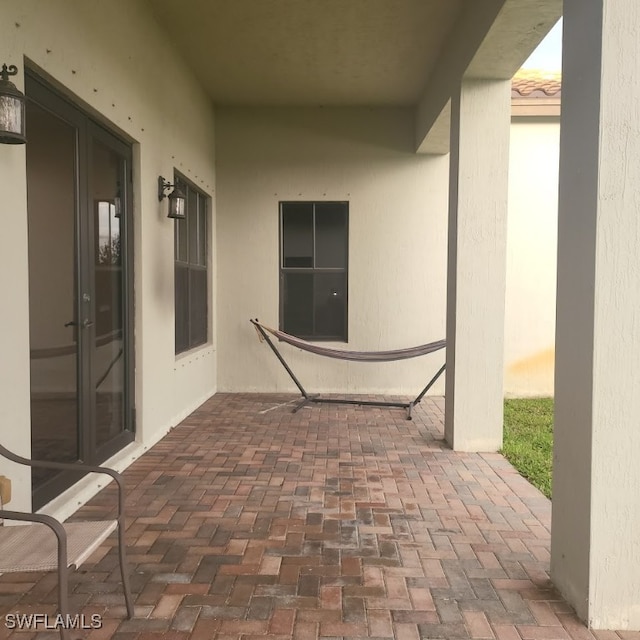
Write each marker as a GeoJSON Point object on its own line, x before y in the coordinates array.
{"type": "Point", "coordinates": [359, 356]}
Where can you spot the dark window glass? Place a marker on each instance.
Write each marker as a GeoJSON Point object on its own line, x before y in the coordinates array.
{"type": "Point", "coordinates": [331, 235]}
{"type": "Point", "coordinates": [182, 250]}
{"type": "Point", "coordinates": [313, 284]}
{"type": "Point", "coordinates": [329, 294]}
{"type": "Point", "coordinates": [191, 274]}
{"type": "Point", "coordinates": [198, 305]}
{"type": "Point", "coordinates": [182, 307]}
{"type": "Point", "coordinates": [202, 231]}
{"type": "Point", "coordinates": [192, 224]}
{"type": "Point", "coordinates": [297, 234]}
{"type": "Point", "coordinates": [298, 303]}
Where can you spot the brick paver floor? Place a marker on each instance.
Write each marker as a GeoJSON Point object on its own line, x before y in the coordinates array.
{"type": "Point", "coordinates": [248, 521]}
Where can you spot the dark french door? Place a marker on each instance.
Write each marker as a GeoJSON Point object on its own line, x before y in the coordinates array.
{"type": "Point", "coordinates": [80, 286]}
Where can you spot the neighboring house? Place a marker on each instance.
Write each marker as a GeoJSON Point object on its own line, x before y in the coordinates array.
{"type": "Point", "coordinates": [532, 233]}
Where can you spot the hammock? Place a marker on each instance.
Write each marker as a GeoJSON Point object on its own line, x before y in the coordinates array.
{"type": "Point", "coordinates": [359, 356]}
{"type": "Point", "coordinates": [342, 354]}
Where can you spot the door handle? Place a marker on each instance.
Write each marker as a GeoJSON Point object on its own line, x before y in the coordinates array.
{"type": "Point", "coordinates": [85, 324]}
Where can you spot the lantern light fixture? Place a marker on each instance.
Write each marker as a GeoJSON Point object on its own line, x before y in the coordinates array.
{"type": "Point", "coordinates": [177, 199]}
{"type": "Point", "coordinates": [12, 108]}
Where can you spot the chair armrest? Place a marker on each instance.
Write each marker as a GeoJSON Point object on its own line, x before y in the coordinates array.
{"type": "Point", "coordinates": [41, 518]}
{"type": "Point", "coordinates": [76, 467]}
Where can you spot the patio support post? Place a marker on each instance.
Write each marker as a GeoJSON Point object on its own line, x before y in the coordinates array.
{"type": "Point", "coordinates": [478, 183]}
{"type": "Point", "coordinates": [595, 541]}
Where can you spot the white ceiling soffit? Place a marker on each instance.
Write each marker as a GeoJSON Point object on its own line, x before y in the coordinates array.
{"type": "Point", "coordinates": [310, 52]}
{"type": "Point", "coordinates": [354, 52]}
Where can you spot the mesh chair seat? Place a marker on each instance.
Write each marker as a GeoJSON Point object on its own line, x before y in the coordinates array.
{"type": "Point", "coordinates": [34, 547]}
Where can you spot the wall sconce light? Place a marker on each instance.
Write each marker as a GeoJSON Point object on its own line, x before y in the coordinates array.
{"type": "Point", "coordinates": [177, 199]}
{"type": "Point", "coordinates": [12, 103]}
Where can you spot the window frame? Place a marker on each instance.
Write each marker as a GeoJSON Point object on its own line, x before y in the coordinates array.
{"type": "Point", "coordinates": [313, 269]}
{"type": "Point", "coordinates": [199, 265]}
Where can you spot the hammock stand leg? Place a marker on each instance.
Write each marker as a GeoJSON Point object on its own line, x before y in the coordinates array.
{"type": "Point", "coordinates": [283, 362]}
{"type": "Point", "coordinates": [360, 403]}
{"type": "Point", "coordinates": [377, 403]}
{"type": "Point", "coordinates": [303, 403]}
{"type": "Point", "coordinates": [419, 397]}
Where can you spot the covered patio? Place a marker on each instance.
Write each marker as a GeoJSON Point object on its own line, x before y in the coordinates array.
{"type": "Point", "coordinates": [336, 522]}
{"type": "Point", "coordinates": [387, 123]}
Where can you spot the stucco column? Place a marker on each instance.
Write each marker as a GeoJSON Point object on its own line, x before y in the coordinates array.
{"type": "Point", "coordinates": [595, 539]}
{"type": "Point", "coordinates": [478, 183]}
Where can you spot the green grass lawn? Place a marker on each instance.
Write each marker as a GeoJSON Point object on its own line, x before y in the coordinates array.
{"type": "Point", "coordinates": [528, 439]}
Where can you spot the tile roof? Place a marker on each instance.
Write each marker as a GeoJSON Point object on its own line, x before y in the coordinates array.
{"type": "Point", "coordinates": [536, 84]}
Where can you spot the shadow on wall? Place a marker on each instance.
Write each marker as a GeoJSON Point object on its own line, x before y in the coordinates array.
{"type": "Point", "coordinates": [331, 131]}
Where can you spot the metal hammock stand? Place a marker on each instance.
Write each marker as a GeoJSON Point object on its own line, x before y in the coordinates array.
{"type": "Point", "coordinates": [360, 356]}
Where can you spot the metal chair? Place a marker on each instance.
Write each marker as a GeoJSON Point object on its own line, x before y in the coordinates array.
{"type": "Point", "coordinates": [56, 545]}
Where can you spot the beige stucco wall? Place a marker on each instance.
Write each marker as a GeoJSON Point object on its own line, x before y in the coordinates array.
{"type": "Point", "coordinates": [397, 271]}
{"type": "Point", "coordinates": [531, 257]}
{"type": "Point", "coordinates": [113, 58]}
{"type": "Point", "coordinates": [397, 241]}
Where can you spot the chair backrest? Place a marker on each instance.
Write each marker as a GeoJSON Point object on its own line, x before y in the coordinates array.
{"type": "Point", "coordinates": [14, 457]}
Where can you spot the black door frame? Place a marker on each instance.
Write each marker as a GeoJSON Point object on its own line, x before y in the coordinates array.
{"type": "Point", "coordinates": [87, 130]}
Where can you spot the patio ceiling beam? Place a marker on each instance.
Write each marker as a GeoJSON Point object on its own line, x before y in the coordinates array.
{"type": "Point", "coordinates": [491, 40]}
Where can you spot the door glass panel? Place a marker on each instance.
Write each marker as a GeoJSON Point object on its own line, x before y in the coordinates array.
{"type": "Point", "coordinates": [107, 170]}
{"type": "Point", "coordinates": [53, 331]}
